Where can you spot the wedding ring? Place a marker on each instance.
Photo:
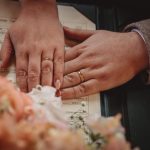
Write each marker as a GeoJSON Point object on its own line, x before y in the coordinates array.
{"type": "Point", "coordinates": [47, 58]}
{"type": "Point", "coordinates": [22, 73]}
{"type": "Point", "coordinates": [81, 76]}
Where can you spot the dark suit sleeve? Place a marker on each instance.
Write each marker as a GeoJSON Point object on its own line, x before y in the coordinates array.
{"type": "Point", "coordinates": [144, 28]}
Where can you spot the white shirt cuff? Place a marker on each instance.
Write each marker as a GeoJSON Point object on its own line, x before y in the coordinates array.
{"type": "Point", "coordinates": [139, 32]}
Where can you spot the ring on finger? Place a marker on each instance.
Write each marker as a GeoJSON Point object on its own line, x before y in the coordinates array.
{"type": "Point", "coordinates": [22, 73]}
{"type": "Point", "coordinates": [82, 79]}
{"type": "Point", "coordinates": [46, 58]}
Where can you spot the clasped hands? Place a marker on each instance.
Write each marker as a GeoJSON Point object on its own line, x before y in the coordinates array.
{"type": "Point", "coordinates": [102, 59]}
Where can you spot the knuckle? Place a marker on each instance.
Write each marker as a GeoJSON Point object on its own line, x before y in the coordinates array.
{"type": "Point", "coordinates": [70, 78]}
{"type": "Point", "coordinates": [45, 45]}
{"type": "Point", "coordinates": [33, 75]}
{"type": "Point", "coordinates": [90, 54]}
{"type": "Point", "coordinates": [33, 72]}
{"type": "Point", "coordinates": [82, 89]}
{"type": "Point", "coordinates": [22, 53]}
{"type": "Point", "coordinates": [79, 63]}
{"type": "Point", "coordinates": [33, 48]}
{"type": "Point", "coordinates": [34, 45]}
{"type": "Point", "coordinates": [104, 76]}
{"type": "Point", "coordinates": [79, 52]}
{"type": "Point", "coordinates": [59, 59]}
{"type": "Point", "coordinates": [50, 44]}
{"type": "Point", "coordinates": [46, 67]}
{"type": "Point", "coordinates": [21, 73]}
{"type": "Point", "coordinates": [21, 48]}
{"type": "Point", "coordinates": [59, 46]}
{"type": "Point", "coordinates": [80, 49]}
{"type": "Point", "coordinates": [48, 50]}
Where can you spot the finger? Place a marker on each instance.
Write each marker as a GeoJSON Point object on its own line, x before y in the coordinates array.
{"type": "Point", "coordinates": [71, 79]}
{"type": "Point", "coordinates": [77, 34]}
{"type": "Point", "coordinates": [73, 66]}
{"type": "Point", "coordinates": [73, 52]}
{"type": "Point", "coordinates": [6, 51]}
{"type": "Point", "coordinates": [70, 43]}
{"type": "Point", "coordinates": [76, 78]}
{"type": "Point", "coordinates": [22, 71]}
{"type": "Point", "coordinates": [47, 68]}
{"type": "Point", "coordinates": [27, 101]}
{"type": "Point", "coordinates": [34, 70]}
{"type": "Point", "coordinates": [58, 67]}
{"type": "Point", "coordinates": [84, 89]}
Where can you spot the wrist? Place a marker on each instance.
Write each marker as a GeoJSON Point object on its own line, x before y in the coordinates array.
{"type": "Point", "coordinates": [141, 60]}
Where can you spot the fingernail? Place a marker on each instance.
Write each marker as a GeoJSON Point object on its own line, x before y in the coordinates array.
{"type": "Point", "coordinates": [57, 84]}
{"type": "Point", "coordinates": [58, 93]}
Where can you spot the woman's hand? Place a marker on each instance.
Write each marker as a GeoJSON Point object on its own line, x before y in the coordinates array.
{"type": "Point", "coordinates": [103, 61]}
{"type": "Point", "coordinates": [38, 40]}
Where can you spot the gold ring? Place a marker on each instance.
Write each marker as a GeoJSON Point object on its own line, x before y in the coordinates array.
{"type": "Point", "coordinates": [47, 58]}
{"type": "Point", "coordinates": [81, 76]}
{"type": "Point", "coordinates": [22, 73]}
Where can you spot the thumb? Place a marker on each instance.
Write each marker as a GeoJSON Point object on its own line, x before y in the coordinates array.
{"type": "Point", "coordinates": [6, 51]}
{"type": "Point", "coordinates": [77, 34]}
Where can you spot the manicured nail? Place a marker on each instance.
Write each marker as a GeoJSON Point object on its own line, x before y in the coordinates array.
{"type": "Point", "coordinates": [57, 84]}
{"type": "Point", "coordinates": [58, 93]}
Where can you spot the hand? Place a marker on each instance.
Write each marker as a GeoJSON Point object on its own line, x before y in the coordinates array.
{"type": "Point", "coordinates": [103, 61]}
{"type": "Point", "coordinates": [38, 40]}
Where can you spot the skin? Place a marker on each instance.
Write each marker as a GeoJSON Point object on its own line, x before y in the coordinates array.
{"type": "Point", "coordinates": [105, 59]}
{"type": "Point", "coordinates": [36, 35]}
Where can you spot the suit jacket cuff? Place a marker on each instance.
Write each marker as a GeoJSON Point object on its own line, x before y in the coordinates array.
{"type": "Point", "coordinates": [144, 28]}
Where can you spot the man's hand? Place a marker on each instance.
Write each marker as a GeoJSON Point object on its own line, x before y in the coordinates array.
{"type": "Point", "coordinates": [38, 41]}
{"type": "Point", "coordinates": [103, 61]}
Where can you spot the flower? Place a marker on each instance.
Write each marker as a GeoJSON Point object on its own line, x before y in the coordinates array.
{"type": "Point", "coordinates": [36, 122]}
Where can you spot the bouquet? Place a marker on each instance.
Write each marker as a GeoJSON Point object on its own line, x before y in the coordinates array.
{"type": "Point", "coordinates": [35, 121]}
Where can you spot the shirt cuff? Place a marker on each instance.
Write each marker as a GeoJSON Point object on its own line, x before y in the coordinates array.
{"type": "Point", "coordinates": [140, 33]}
{"type": "Point", "coordinates": [146, 78]}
